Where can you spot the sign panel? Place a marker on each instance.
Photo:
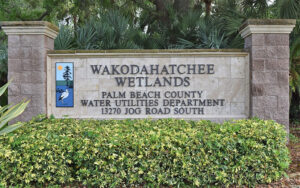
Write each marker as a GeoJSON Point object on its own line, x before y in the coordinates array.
{"type": "Point", "coordinates": [64, 85]}
{"type": "Point", "coordinates": [211, 86]}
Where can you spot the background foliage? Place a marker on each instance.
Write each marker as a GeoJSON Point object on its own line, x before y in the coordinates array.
{"type": "Point", "coordinates": [148, 24]}
{"type": "Point", "coordinates": [164, 152]}
{"type": "Point", "coordinates": [3, 70]}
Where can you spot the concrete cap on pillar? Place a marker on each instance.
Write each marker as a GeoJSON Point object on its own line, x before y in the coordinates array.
{"type": "Point", "coordinates": [259, 26]}
{"type": "Point", "coordinates": [30, 28]}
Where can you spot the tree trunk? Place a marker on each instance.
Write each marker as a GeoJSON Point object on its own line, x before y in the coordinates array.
{"type": "Point", "coordinates": [182, 6]}
{"type": "Point", "coordinates": [161, 10]}
{"type": "Point", "coordinates": [75, 23]}
{"type": "Point", "coordinates": [207, 7]}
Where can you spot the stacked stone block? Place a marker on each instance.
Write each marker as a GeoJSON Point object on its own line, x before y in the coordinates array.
{"type": "Point", "coordinates": [269, 68]}
{"type": "Point", "coordinates": [27, 56]}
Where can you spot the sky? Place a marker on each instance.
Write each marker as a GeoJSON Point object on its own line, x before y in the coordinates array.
{"type": "Point", "coordinates": [60, 69]}
{"type": "Point", "coordinates": [270, 2]}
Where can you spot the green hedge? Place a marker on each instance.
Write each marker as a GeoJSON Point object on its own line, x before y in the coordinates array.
{"type": "Point", "coordinates": [143, 152]}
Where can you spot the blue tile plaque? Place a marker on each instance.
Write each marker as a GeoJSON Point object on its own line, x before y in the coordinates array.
{"type": "Point", "coordinates": [64, 84]}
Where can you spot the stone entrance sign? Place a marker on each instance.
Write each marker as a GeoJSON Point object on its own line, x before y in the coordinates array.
{"type": "Point", "coordinates": [117, 84]}
{"type": "Point", "coordinates": [198, 84]}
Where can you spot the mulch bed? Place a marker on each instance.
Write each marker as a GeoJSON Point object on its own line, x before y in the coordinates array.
{"type": "Point", "coordinates": [293, 180]}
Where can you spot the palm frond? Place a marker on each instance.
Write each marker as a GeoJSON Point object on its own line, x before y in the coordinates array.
{"type": "Point", "coordinates": [11, 128]}
{"type": "Point", "coordinates": [114, 31]}
{"type": "Point", "coordinates": [3, 58]}
{"type": "Point", "coordinates": [255, 8]}
{"type": "Point", "coordinates": [295, 48]}
{"type": "Point", "coordinates": [189, 23]}
{"type": "Point", "coordinates": [8, 113]}
{"type": "Point", "coordinates": [85, 36]}
{"type": "Point", "coordinates": [289, 9]}
{"type": "Point", "coordinates": [184, 44]}
{"type": "Point", "coordinates": [65, 39]}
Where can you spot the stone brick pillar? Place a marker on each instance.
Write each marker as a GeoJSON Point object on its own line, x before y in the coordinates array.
{"type": "Point", "coordinates": [28, 43]}
{"type": "Point", "coordinates": [268, 44]}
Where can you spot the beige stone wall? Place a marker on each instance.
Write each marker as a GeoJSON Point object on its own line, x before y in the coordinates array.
{"type": "Point", "coordinates": [270, 76]}
{"type": "Point", "coordinates": [267, 41]}
{"type": "Point", "coordinates": [252, 83]}
{"type": "Point", "coordinates": [27, 70]}
{"type": "Point", "coordinates": [230, 82]}
{"type": "Point", "coordinates": [28, 43]}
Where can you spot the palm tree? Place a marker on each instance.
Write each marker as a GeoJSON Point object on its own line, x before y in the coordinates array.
{"type": "Point", "coordinates": [208, 6]}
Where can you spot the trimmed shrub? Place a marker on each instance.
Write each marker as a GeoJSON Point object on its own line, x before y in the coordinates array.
{"type": "Point", "coordinates": [143, 152]}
